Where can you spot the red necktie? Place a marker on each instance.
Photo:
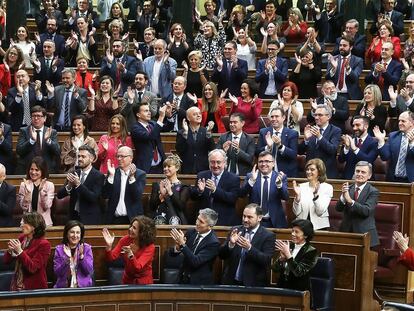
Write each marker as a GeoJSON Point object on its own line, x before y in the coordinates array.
{"type": "Point", "coordinates": [359, 143]}
{"type": "Point", "coordinates": [381, 77]}
{"type": "Point", "coordinates": [155, 151]}
{"type": "Point", "coordinates": [342, 75]}
{"type": "Point", "coordinates": [356, 193]}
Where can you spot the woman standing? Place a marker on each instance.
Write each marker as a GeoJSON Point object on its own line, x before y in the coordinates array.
{"type": "Point", "coordinates": [178, 45]}
{"type": "Point", "coordinates": [213, 107]}
{"type": "Point", "coordinates": [12, 61]}
{"type": "Point", "coordinates": [312, 198]}
{"type": "Point", "coordinates": [117, 12]}
{"type": "Point", "coordinates": [246, 48]}
{"type": "Point", "coordinates": [385, 34]}
{"type": "Point", "coordinates": [31, 251]}
{"type": "Point", "coordinates": [36, 193]}
{"type": "Point", "coordinates": [295, 28]}
{"type": "Point", "coordinates": [196, 77]}
{"type": "Point", "coordinates": [137, 250]}
{"type": "Point", "coordinates": [28, 47]}
{"type": "Point", "coordinates": [306, 74]}
{"type": "Point", "coordinates": [73, 261]}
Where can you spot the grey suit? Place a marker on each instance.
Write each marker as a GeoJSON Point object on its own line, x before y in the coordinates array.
{"type": "Point", "coordinates": [400, 107]}
{"type": "Point", "coordinates": [360, 217]}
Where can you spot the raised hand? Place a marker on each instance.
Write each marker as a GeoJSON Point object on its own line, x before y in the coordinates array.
{"type": "Point", "coordinates": [185, 65]}
{"type": "Point", "coordinates": [269, 140]}
{"type": "Point", "coordinates": [48, 133]}
{"type": "Point", "coordinates": [219, 61]}
{"type": "Point", "coordinates": [307, 132]}
{"type": "Point", "coordinates": [234, 237]}
{"type": "Point", "coordinates": [138, 54]}
{"type": "Point", "coordinates": [210, 126]}
{"type": "Point", "coordinates": [66, 250]}
{"type": "Point", "coordinates": [296, 190]}
{"type": "Point", "coordinates": [109, 56]}
{"type": "Point", "coordinates": [233, 99]}
{"type": "Point", "coordinates": [402, 240]}
{"type": "Point", "coordinates": [193, 97]}
{"type": "Point", "coordinates": [185, 126]}
{"type": "Point", "coordinates": [111, 167]}
{"type": "Point", "coordinates": [201, 184]}
{"type": "Point", "coordinates": [178, 236]}
{"type": "Point", "coordinates": [283, 248]}
{"type": "Point", "coordinates": [226, 145]}
{"type": "Point", "coordinates": [298, 59]}
{"type": "Point", "coordinates": [108, 237]}
{"type": "Point", "coordinates": [132, 170]}
{"type": "Point", "coordinates": [254, 173]}
{"type": "Point", "coordinates": [223, 93]}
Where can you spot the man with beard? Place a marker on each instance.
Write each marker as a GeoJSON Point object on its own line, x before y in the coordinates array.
{"type": "Point", "coordinates": [405, 100]}
{"type": "Point", "coordinates": [360, 41]}
{"type": "Point", "coordinates": [338, 105]}
{"type": "Point", "coordinates": [360, 147]}
{"type": "Point", "coordinates": [51, 34]}
{"type": "Point", "coordinates": [344, 70]}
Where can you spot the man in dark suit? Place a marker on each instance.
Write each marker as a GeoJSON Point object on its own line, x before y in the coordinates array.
{"type": "Point", "coordinates": [248, 251]}
{"type": "Point", "coordinates": [147, 139]}
{"type": "Point", "coordinates": [281, 142]}
{"type": "Point", "coordinates": [360, 41]}
{"type": "Point", "coordinates": [84, 9]}
{"type": "Point", "coordinates": [403, 101]}
{"type": "Point", "coordinates": [48, 11]}
{"type": "Point", "coordinates": [361, 147]}
{"type": "Point", "coordinates": [37, 139]}
{"type": "Point", "coordinates": [51, 34]}
{"type": "Point", "coordinates": [358, 202]}
{"type": "Point", "coordinates": [6, 147]}
{"type": "Point", "coordinates": [337, 104]}
{"type": "Point", "coordinates": [271, 72]}
{"type": "Point", "coordinates": [67, 100]}
{"type": "Point", "coordinates": [218, 189]}
{"type": "Point", "coordinates": [322, 140]}
{"type": "Point", "coordinates": [388, 12]}
{"type": "Point", "coordinates": [7, 200]}
{"type": "Point", "coordinates": [179, 102]}
{"type": "Point", "coordinates": [200, 247]}
{"type": "Point", "coordinates": [386, 72]}
{"type": "Point", "coordinates": [230, 71]}
{"type": "Point", "coordinates": [194, 142]}
{"type": "Point", "coordinates": [121, 67]}
{"type": "Point", "coordinates": [124, 187]}
{"type": "Point", "coordinates": [399, 149]}
{"type": "Point", "coordinates": [135, 95]}
{"type": "Point", "coordinates": [21, 98]}
{"type": "Point", "coordinates": [344, 70]}
{"type": "Point", "coordinates": [267, 188]}
{"type": "Point", "coordinates": [239, 146]}
{"type": "Point", "coordinates": [329, 22]}
{"type": "Point", "coordinates": [84, 186]}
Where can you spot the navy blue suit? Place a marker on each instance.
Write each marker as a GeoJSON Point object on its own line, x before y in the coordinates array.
{"type": "Point", "coordinates": [325, 149]}
{"type": "Point", "coordinates": [339, 117]}
{"type": "Point", "coordinates": [7, 204]}
{"type": "Point", "coordinates": [397, 20]}
{"type": "Point", "coordinates": [223, 200]}
{"type": "Point", "coordinates": [132, 198]}
{"type": "Point", "coordinates": [280, 75]}
{"type": "Point", "coordinates": [367, 152]}
{"type": "Point", "coordinates": [352, 80]}
{"type": "Point", "coordinates": [185, 103]}
{"type": "Point", "coordinates": [358, 48]}
{"type": "Point", "coordinates": [286, 161]}
{"type": "Point", "coordinates": [59, 44]}
{"type": "Point", "coordinates": [197, 268]}
{"type": "Point", "coordinates": [6, 148]}
{"type": "Point", "coordinates": [390, 152]}
{"type": "Point", "coordinates": [48, 74]}
{"type": "Point", "coordinates": [276, 195]}
{"type": "Point", "coordinates": [391, 76]}
{"type": "Point", "coordinates": [232, 81]}
{"type": "Point", "coordinates": [145, 142]}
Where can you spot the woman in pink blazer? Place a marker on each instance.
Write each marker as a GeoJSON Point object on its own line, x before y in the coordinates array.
{"type": "Point", "coordinates": [36, 193]}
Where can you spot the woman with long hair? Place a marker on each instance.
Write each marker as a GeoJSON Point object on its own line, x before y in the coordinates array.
{"type": "Point", "coordinates": [27, 47]}
{"type": "Point", "coordinates": [13, 60]}
{"type": "Point", "coordinates": [246, 48]}
{"type": "Point", "coordinates": [117, 12]}
{"type": "Point", "coordinates": [178, 45]}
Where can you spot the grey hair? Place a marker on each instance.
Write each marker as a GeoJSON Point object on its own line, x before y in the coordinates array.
{"type": "Point", "coordinates": [221, 151]}
{"type": "Point", "coordinates": [327, 109]}
{"type": "Point", "coordinates": [69, 70]}
{"type": "Point", "coordinates": [2, 169]}
{"type": "Point", "coordinates": [353, 21]}
{"type": "Point", "coordinates": [164, 44]}
{"type": "Point", "coordinates": [365, 163]}
{"type": "Point", "coordinates": [210, 215]}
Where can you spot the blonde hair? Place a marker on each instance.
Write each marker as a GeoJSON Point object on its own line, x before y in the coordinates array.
{"type": "Point", "coordinates": [173, 159]}
{"type": "Point", "coordinates": [376, 92]}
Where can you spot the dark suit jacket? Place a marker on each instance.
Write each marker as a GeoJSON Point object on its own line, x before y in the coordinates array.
{"type": "Point", "coordinates": [232, 82]}
{"type": "Point", "coordinates": [360, 217]}
{"type": "Point", "coordinates": [185, 103]}
{"type": "Point", "coordinates": [351, 80]}
{"type": "Point", "coordinates": [296, 274]}
{"type": "Point", "coordinates": [6, 149]}
{"type": "Point", "coordinates": [145, 142]}
{"type": "Point", "coordinates": [324, 149]}
{"type": "Point", "coordinates": [391, 77]}
{"type": "Point", "coordinates": [59, 44]}
{"type": "Point", "coordinates": [16, 109]}
{"type": "Point", "coordinates": [25, 151]}
{"type": "Point", "coordinates": [194, 154]}
{"type": "Point", "coordinates": [368, 152]}
{"type": "Point", "coordinates": [90, 14]}
{"type": "Point", "coordinates": [41, 19]}
{"type": "Point", "coordinates": [257, 261]}
{"type": "Point", "coordinates": [47, 74]}
{"type": "Point", "coordinates": [359, 46]}
{"type": "Point", "coordinates": [390, 152]}
{"type": "Point", "coordinates": [197, 268]}
{"type": "Point", "coordinates": [280, 75]}
{"type": "Point", "coordinates": [132, 198]}
{"type": "Point", "coordinates": [397, 20]}
{"type": "Point", "coordinates": [329, 27]}
{"type": "Point", "coordinates": [244, 158]}
{"type": "Point", "coordinates": [286, 161]}
{"type": "Point", "coordinates": [340, 116]}
{"type": "Point", "coordinates": [400, 107]}
{"type": "Point", "coordinates": [7, 204]}
{"type": "Point", "coordinates": [223, 200]}
{"type": "Point", "coordinates": [89, 194]}
{"type": "Point", "coordinates": [276, 195]}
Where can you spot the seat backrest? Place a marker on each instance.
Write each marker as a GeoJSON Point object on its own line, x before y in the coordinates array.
{"type": "Point", "coordinates": [335, 218]}
{"type": "Point", "coordinates": [115, 271]}
{"type": "Point", "coordinates": [322, 278]}
{"type": "Point", "coordinates": [396, 306]}
{"type": "Point", "coordinates": [171, 270]}
{"type": "Point", "coordinates": [60, 211]}
{"type": "Point", "coordinates": [380, 169]}
{"type": "Point", "coordinates": [6, 273]}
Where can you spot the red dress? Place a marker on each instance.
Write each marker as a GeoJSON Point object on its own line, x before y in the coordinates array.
{"type": "Point", "coordinates": [101, 115]}
{"type": "Point", "coordinates": [138, 270]}
{"type": "Point", "coordinates": [251, 113]}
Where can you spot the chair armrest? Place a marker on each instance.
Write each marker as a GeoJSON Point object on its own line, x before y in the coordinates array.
{"type": "Point", "coordinates": [391, 252]}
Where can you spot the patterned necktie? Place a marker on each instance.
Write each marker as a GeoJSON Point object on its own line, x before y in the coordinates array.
{"type": "Point", "coordinates": [67, 104]}
{"type": "Point", "coordinates": [400, 168]}
{"type": "Point", "coordinates": [358, 142]}
{"type": "Point", "coordinates": [26, 108]}
{"type": "Point", "coordinates": [240, 268]}
{"type": "Point", "coordinates": [381, 77]}
{"type": "Point", "coordinates": [195, 243]}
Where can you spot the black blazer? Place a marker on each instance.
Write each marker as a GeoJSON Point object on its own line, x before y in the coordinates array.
{"type": "Point", "coordinates": [185, 103]}
{"type": "Point", "coordinates": [132, 198]}
{"type": "Point", "coordinates": [232, 82]}
{"type": "Point", "coordinates": [89, 194]}
{"type": "Point", "coordinates": [7, 204]}
{"type": "Point", "coordinates": [194, 154]}
{"type": "Point", "coordinates": [6, 149]}
{"type": "Point", "coordinates": [197, 268]}
{"type": "Point", "coordinates": [47, 74]}
{"type": "Point", "coordinates": [295, 275]}
{"type": "Point", "coordinates": [257, 261]}
{"type": "Point", "coordinates": [59, 44]}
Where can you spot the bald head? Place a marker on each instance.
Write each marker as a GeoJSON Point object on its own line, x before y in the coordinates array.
{"type": "Point", "coordinates": [194, 116]}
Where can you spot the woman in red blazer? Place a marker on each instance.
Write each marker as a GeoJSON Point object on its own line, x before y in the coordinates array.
{"type": "Point", "coordinates": [212, 107]}
{"type": "Point", "coordinates": [84, 78]}
{"type": "Point", "coordinates": [31, 251]}
{"type": "Point", "coordinates": [137, 249]}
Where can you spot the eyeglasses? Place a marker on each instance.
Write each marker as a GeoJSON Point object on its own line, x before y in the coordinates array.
{"type": "Point", "coordinates": [13, 53]}
{"type": "Point", "coordinates": [37, 116]}
{"type": "Point", "coordinates": [265, 162]}
{"type": "Point", "coordinates": [121, 156]}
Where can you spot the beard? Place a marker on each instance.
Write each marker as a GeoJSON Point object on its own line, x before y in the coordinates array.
{"type": "Point", "coordinates": [332, 97]}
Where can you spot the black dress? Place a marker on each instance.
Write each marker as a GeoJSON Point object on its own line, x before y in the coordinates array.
{"type": "Point", "coordinates": [306, 81]}
{"type": "Point", "coordinates": [179, 53]}
{"type": "Point", "coordinates": [194, 85]}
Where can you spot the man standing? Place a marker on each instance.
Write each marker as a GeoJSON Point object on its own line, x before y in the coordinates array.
{"type": "Point", "coordinates": [200, 247]}
{"type": "Point", "coordinates": [351, 30]}
{"type": "Point", "coordinates": [84, 9]}
{"type": "Point", "coordinates": [361, 147]}
{"type": "Point", "coordinates": [403, 101]}
{"type": "Point", "coordinates": [37, 139]}
{"type": "Point", "coordinates": [248, 251]}
{"type": "Point", "coordinates": [218, 189]}
{"type": "Point", "coordinates": [281, 142]}
{"type": "Point", "coordinates": [238, 145]}
{"type": "Point", "coordinates": [329, 22]}
{"type": "Point", "coordinates": [124, 187]}
{"type": "Point", "coordinates": [322, 140]}
{"type": "Point", "coordinates": [51, 34]}
{"type": "Point", "coordinates": [358, 202]}
{"type": "Point", "coordinates": [399, 149]}
{"type": "Point", "coordinates": [267, 188]}
{"type": "Point", "coordinates": [396, 18]}
{"type": "Point", "coordinates": [84, 186]}
{"type": "Point", "coordinates": [7, 200]}
{"type": "Point", "coordinates": [194, 142]}
{"type": "Point", "coordinates": [6, 147]}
